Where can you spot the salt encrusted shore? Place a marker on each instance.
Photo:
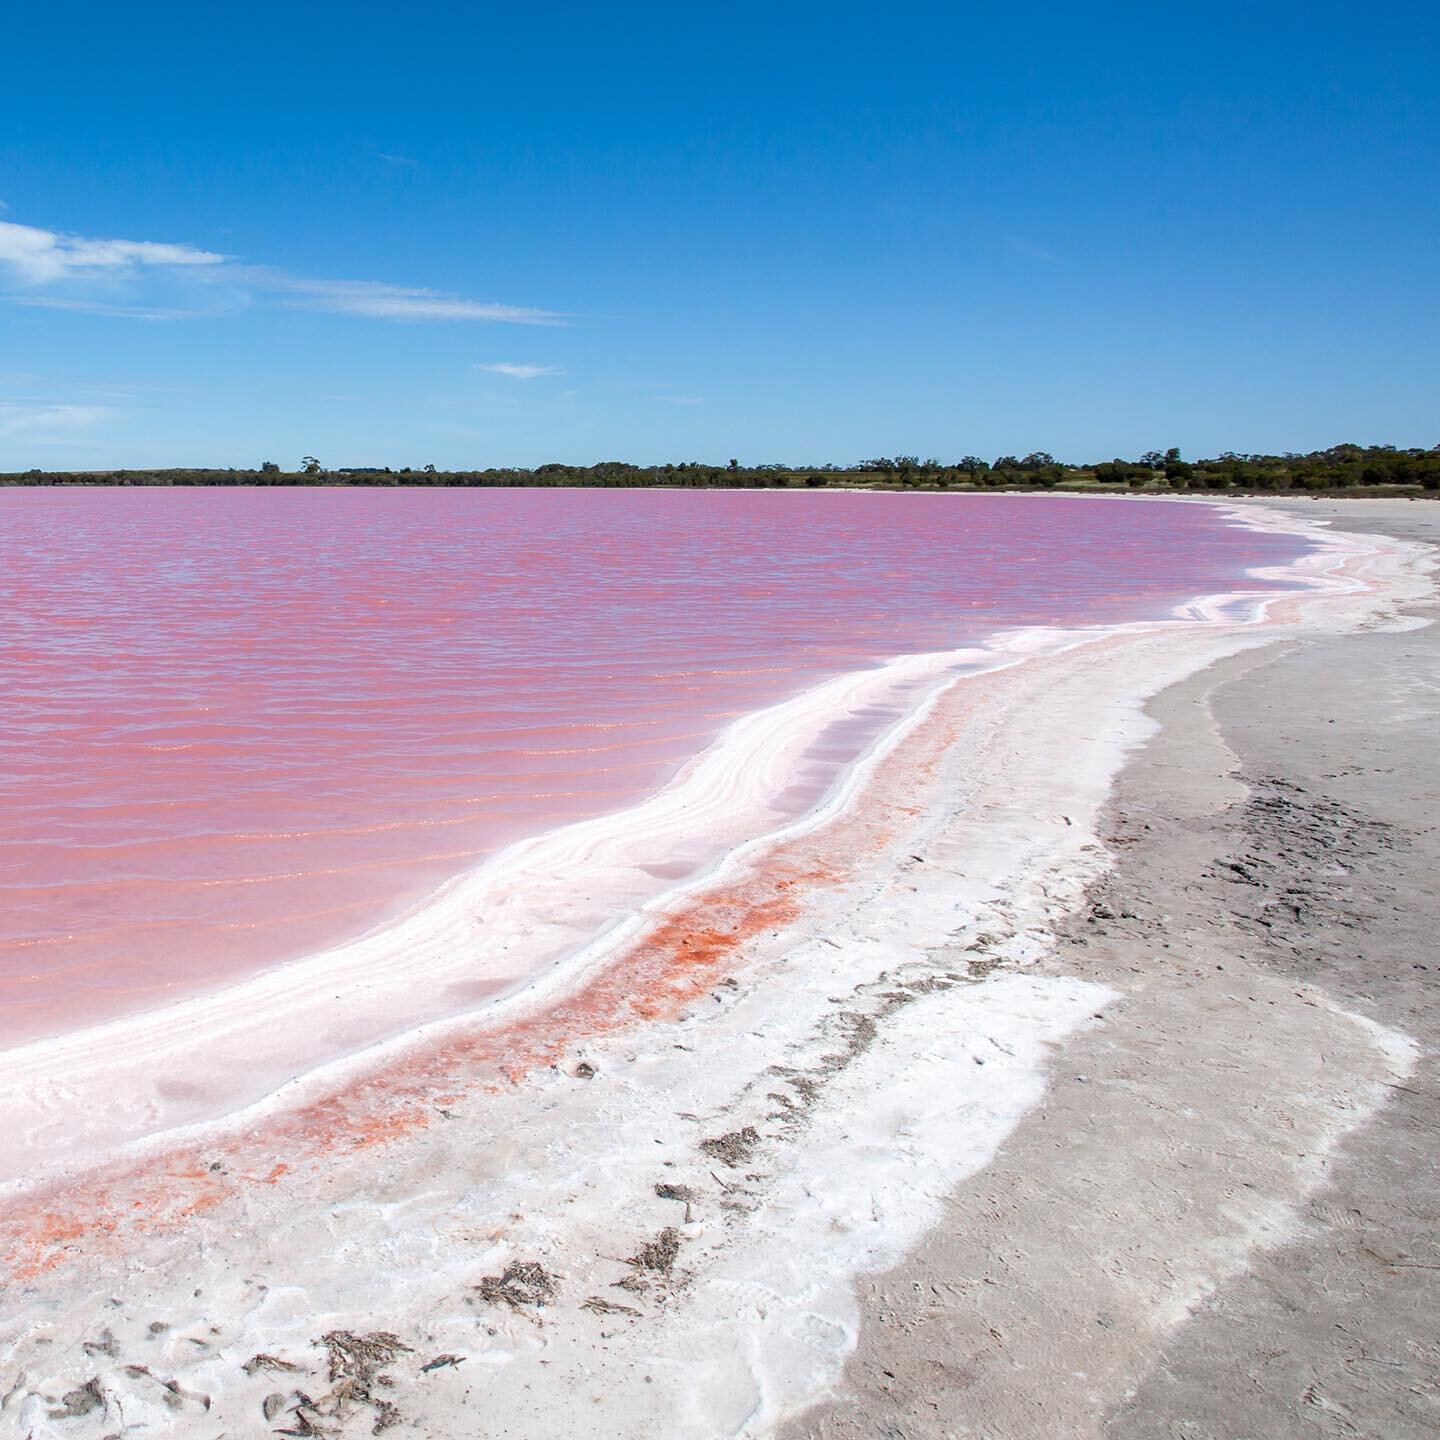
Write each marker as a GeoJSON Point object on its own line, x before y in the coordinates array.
{"type": "Point", "coordinates": [1162, 1248]}
{"type": "Point", "coordinates": [645, 1211]}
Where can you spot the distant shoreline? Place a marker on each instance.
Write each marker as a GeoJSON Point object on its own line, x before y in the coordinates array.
{"type": "Point", "coordinates": [1341, 471]}
{"type": "Point", "coordinates": [248, 481]}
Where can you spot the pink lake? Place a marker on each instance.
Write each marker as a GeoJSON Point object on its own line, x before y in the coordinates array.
{"type": "Point", "coordinates": [239, 725]}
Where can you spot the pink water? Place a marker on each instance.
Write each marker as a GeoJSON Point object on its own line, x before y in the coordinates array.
{"type": "Point", "coordinates": [238, 725]}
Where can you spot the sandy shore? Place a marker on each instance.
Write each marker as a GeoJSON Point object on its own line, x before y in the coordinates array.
{"type": "Point", "coordinates": [972, 1111]}
{"type": "Point", "coordinates": [1167, 1245]}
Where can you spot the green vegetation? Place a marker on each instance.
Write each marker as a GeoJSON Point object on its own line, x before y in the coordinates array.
{"type": "Point", "coordinates": [1342, 469]}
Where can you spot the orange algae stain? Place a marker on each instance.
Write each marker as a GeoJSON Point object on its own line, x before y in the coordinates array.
{"type": "Point", "coordinates": [675, 964]}
{"type": "Point", "coordinates": [51, 1236]}
{"type": "Point", "coordinates": [58, 1229]}
{"type": "Point", "coordinates": [375, 1129]}
{"type": "Point", "coordinates": [37, 1233]}
{"type": "Point", "coordinates": [655, 979]}
{"type": "Point", "coordinates": [685, 953]}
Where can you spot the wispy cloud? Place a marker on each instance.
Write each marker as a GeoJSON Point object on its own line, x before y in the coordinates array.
{"type": "Point", "coordinates": [37, 422]}
{"type": "Point", "coordinates": [400, 302]}
{"type": "Point", "coordinates": [41, 256]}
{"type": "Point", "coordinates": [92, 305]}
{"type": "Point", "coordinates": [681, 399]}
{"type": "Point", "coordinates": [518, 371]}
{"type": "Point", "coordinates": [1031, 251]}
{"type": "Point", "coordinates": [155, 280]}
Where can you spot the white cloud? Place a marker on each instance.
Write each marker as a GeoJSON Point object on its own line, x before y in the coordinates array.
{"type": "Point", "coordinates": [125, 277]}
{"type": "Point", "coordinates": [399, 302]}
{"type": "Point", "coordinates": [39, 257]}
{"type": "Point", "coordinates": [84, 306]}
{"type": "Point", "coordinates": [38, 420]}
{"type": "Point", "coordinates": [520, 372]}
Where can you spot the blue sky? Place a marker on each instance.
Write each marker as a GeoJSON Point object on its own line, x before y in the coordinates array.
{"type": "Point", "coordinates": [472, 235]}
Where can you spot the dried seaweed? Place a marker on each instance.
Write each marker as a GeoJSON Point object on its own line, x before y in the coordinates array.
{"type": "Point", "coordinates": [734, 1148]}
{"type": "Point", "coordinates": [658, 1255]}
{"type": "Point", "coordinates": [256, 1363]}
{"type": "Point", "coordinates": [522, 1284]}
{"type": "Point", "coordinates": [598, 1305]}
{"type": "Point", "coordinates": [358, 1358]}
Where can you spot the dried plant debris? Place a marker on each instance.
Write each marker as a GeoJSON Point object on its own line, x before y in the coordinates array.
{"type": "Point", "coordinates": [654, 1261]}
{"type": "Point", "coordinates": [359, 1358]}
{"type": "Point", "coordinates": [522, 1284]}
{"type": "Point", "coordinates": [440, 1362]}
{"type": "Point", "coordinates": [302, 1424]}
{"type": "Point", "coordinates": [790, 1109]}
{"type": "Point", "coordinates": [735, 1148]}
{"type": "Point", "coordinates": [658, 1254]}
{"type": "Point", "coordinates": [929, 984]}
{"type": "Point", "coordinates": [355, 1366]}
{"type": "Point", "coordinates": [677, 1192]}
{"type": "Point", "coordinates": [598, 1305]}
{"type": "Point", "coordinates": [257, 1363]}
{"type": "Point", "coordinates": [105, 1345]}
{"type": "Point", "coordinates": [855, 1026]}
{"type": "Point", "coordinates": [858, 1031]}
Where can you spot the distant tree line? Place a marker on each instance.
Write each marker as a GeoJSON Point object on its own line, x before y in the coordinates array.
{"type": "Point", "coordinates": [1341, 468]}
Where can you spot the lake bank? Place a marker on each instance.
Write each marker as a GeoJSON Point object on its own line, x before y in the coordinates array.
{"type": "Point", "coordinates": [661, 1224]}
{"type": "Point", "coordinates": [1222, 1217]}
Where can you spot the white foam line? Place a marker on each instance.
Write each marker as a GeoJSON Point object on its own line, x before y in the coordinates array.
{"type": "Point", "coordinates": [517, 924]}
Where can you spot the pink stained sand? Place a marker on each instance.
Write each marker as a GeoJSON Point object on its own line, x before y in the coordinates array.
{"type": "Point", "coordinates": [239, 725]}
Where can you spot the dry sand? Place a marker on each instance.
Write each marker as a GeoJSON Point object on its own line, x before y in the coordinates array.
{"type": "Point", "coordinates": [1108, 1090]}
{"type": "Point", "coordinates": [1157, 1250]}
